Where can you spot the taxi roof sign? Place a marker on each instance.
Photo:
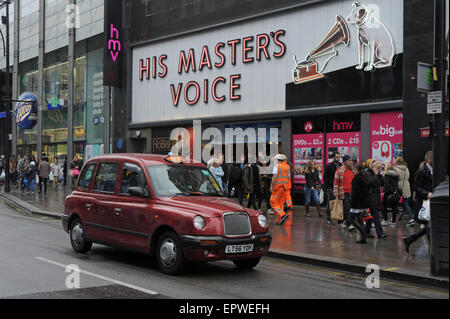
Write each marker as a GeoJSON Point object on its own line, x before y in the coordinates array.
{"type": "Point", "coordinates": [176, 159]}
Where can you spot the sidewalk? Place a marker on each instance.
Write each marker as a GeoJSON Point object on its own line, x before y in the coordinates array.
{"type": "Point", "coordinates": [308, 240]}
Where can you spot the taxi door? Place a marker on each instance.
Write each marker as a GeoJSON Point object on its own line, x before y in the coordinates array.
{"type": "Point", "coordinates": [132, 219]}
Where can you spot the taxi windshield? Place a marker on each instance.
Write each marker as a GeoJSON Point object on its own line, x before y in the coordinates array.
{"type": "Point", "coordinates": [182, 180]}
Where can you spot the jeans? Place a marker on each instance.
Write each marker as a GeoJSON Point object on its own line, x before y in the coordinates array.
{"type": "Point", "coordinates": [32, 185]}
{"type": "Point", "coordinates": [376, 220]}
{"type": "Point", "coordinates": [308, 193]}
{"type": "Point", "coordinates": [356, 220]}
{"type": "Point", "coordinates": [393, 205]}
{"type": "Point", "coordinates": [330, 197]}
{"type": "Point", "coordinates": [347, 206]}
{"type": "Point", "coordinates": [44, 181]}
{"type": "Point", "coordinates": [408, 208]}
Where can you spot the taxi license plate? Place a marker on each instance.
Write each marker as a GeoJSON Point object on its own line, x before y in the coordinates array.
{"type": "Point", "coordinates": [238, 249]}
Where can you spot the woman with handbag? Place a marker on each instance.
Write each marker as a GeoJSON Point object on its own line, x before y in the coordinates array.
{"type": "Point", "coordinates": [74, 169]}
{"type": "Point", "coordinates": [374, 168]}
{"type": "Point", "coordinates": [312, 187]}
{"type": "Point", "coordinates": [391, 194]}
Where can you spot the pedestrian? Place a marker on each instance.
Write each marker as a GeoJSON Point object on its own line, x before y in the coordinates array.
{"type": "Point", "coordinates": [281, 185]}
{"type": "Point", "coordinates": [13, 170]}
{"type": "Point", "coordinates": [226, 167]}
{"type": "Point", "coordinates": [342, 189]}
{"type": "Point", "coordinates": [373, 169]}
{"type": "Point", "coordinates": [54, 168]}
{"type": "Point", "coordinates": [235, 182]}
{"type": "Point", "coordinates": [43, 172]}
{"type": "Point", "coordinates": [252, 186]}
{"type": "Point", "coordinates": [360, 201]}
{"type": "Point", "coordinates": [266, 180]}
{"type": "Point", "coordinates": [312, 187]}
{"type": "Point", "coordinates": [64, 171]}
{"type": "Point", "coordinates": [74, 170]}
{"type": "Point", "coordinates": [391, 194]}
{"type": "Point", "coordinates": [31, 169]}
{"type": "Point", "coordinates": [22, 166]}
{"type": "Point", "coordinates": [328, 179]}
{"type": "Point", "coordinates": [217, 171]}
{"type": "Point", "coordinates": [423, 183]}
{"type": "Point", "coordinates": [401, 167]}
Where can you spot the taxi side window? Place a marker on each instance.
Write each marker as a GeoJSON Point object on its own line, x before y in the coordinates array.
{"type": "Point", "coordinates": [132, 176]}
{"type": "Point", "coordinates": [106, 178]}
{"type": "Point", "coordinates": [86, 176]}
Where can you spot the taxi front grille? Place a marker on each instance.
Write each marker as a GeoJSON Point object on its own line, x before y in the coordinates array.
{"type": "Point", "coordinates": [236, 224]}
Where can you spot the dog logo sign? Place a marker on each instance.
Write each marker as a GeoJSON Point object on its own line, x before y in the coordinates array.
{"type": "Point", "coordinates": [373, 37]}
{"type": "Point", "coordinates": [374, 40]}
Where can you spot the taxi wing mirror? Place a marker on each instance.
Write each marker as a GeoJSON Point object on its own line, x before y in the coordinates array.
{"type": "Point", "coordinates": [137, 191]}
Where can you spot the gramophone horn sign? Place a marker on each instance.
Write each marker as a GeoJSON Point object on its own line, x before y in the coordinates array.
{"type": "Point", "coordinates": [308, 69]}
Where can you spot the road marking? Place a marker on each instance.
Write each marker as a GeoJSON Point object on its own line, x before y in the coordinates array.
{"type": "Point", "coordinates": [391, 269]}
{"type": "Point", "coordinates": [114, 281]}
{"type": "Point", "coordinates": [340, 274]}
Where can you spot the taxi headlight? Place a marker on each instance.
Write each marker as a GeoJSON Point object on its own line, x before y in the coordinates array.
{"type": "Point", "coordinates": [262, 220]}
{"type": "Point", "coordinates": [199, 222]}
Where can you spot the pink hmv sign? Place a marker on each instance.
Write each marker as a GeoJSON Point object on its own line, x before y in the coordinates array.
{"type": "Point", "coordinates": [344, 143]}
{"type": "Point", "coordinates": [307, 147]}
{"type": "Point", "coordinates": [386, 136]}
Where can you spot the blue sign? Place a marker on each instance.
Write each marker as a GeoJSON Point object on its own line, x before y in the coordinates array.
{"type": "Point", "coordinates": [25, 112]}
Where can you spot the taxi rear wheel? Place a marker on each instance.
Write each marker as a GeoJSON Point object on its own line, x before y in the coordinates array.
{"type": "Point", "coordinates": [246, 264]}
{"type": "Point", "coordinates": [77, 238]}
{"type": "Point", "coordinates": [169, 254]}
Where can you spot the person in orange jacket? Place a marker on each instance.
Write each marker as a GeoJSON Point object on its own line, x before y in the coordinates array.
{"type": "Point", "coordinates": [280, 189]}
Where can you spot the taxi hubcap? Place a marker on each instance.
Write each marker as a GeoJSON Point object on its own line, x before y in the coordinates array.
{"type": "Point", "coordinates": [77, 234]}
{"type": "Point", "coordinates": [168, 252]}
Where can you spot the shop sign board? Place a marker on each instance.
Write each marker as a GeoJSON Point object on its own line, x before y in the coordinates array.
{"type": "Point", "coordinates": [344, 143]}
{"type": "Point", "coordinates": [306, 147]}
{"type": "Point", "coordinates": [244, 68]}
{"type": "Point", "coordinates": [25, 111]}
{"type": "Point", "coordinates": [386, 136]}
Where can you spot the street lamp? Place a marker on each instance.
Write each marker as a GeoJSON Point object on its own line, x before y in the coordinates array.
{"type": "Point", "coordinates": [5, 21]}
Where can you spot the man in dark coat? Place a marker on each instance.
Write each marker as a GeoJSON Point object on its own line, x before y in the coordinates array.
{"type": "Point", "coordinates": [424, 187]}
{"type": "Point", "coordinates": [328, 182]}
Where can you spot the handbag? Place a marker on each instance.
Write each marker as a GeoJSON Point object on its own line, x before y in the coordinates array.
{"type": "Point", "coordinates": [337, 209]}
{"type": "Point", "coordinates": [424, 213]}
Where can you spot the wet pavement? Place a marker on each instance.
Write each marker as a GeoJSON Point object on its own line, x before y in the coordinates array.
{"type": "Point", "coordinates": [304, 235]}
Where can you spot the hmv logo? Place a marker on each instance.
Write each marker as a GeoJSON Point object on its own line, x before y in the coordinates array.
{"type": "Point", "coordinates": [342, 126]}
{"type": "Point", "coordinates": [114, 45]}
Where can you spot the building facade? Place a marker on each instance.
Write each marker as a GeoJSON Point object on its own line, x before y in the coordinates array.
{"type": "Point", "coordinates": [329, 75]}
{"type": "Point", "coordinates": [314, 76]}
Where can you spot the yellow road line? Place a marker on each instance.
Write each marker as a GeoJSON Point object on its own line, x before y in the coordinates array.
{"type": "Point", "coordinates": [340, 274]}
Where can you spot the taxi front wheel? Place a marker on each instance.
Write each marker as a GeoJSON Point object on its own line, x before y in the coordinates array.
{"type": "Point", "coordinates": [169, 254]}
{"type": "Point", "coordinates": [246, 264]}
{"type": "Point", "coordinates": [77, 239]}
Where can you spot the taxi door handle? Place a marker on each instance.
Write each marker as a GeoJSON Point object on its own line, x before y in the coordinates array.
{"type": "Point", "coordinates": [117, 211]}
{"type": "Point", "coordinates": [88, 206]}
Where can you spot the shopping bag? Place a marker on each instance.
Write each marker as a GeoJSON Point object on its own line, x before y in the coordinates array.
{"type": "Point", "coordinates": [321, 196]}
{"type": "Point", "coordinates": [424, 213]}
{"type": "Point", "coordinates": [337, 209]}
{"type": "Point", "coordinates": [50, 177]}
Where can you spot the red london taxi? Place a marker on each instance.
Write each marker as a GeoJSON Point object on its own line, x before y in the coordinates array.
{"type": "Point", "coordinates": [160, 206]}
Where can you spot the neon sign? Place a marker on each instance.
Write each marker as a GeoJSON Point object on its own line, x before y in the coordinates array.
{"type": "Point", "coordinates": [114, 45]}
